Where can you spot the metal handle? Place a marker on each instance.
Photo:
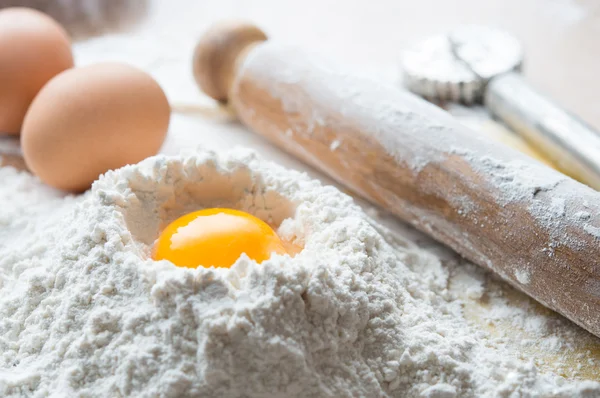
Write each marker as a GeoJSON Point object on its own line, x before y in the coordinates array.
{"type": "Point", "coordinates": [567, 141]}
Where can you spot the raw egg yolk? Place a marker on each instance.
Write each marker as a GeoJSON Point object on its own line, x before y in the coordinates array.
{"type": "Point", "coordinates": [216, 237]}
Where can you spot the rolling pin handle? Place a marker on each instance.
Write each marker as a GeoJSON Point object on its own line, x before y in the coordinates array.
{"type": "Point", "coordinates": [563, 138]}
{"type": "Point", "coordinates": [217, 54]}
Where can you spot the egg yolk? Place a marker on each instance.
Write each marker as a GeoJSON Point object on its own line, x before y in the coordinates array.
{"type": "Point", "coordinates": [216, 237]}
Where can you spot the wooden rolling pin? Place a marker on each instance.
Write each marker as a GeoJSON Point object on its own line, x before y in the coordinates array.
{"type": "Point", "coordinates": [536, 228]}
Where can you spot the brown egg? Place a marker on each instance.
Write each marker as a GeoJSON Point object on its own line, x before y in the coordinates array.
{"type": "Point", "coordinates": [33, 49]}
{"type": "Point", "coordinates": [89, 120]}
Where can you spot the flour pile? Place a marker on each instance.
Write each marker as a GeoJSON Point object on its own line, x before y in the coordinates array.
{"type": "Point", "coordinates": [85, 312]}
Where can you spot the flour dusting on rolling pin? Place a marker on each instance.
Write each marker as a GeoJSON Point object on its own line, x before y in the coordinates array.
{"type": "Point", "coordinates": [493, 205]}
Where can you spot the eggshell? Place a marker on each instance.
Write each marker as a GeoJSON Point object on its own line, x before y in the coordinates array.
{"type": "Point", "coordinates": [33, 49]}
{"type": "Point", "coordinates": [89, 120]}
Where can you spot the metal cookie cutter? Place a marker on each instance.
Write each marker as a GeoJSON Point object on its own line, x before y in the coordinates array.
{"type": "Point", "coordinates": [478, 64]}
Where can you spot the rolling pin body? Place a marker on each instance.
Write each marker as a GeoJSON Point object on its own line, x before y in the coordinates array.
{"type": "Point", "coordinates": [536, 228]}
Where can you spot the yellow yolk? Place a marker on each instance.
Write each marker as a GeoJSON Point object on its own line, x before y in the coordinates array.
{"type": "Point", "coordinates": [216, 237]}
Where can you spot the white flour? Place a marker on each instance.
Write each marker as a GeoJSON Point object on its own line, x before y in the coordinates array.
{"type": "Point", "coordinates": [360, 312]}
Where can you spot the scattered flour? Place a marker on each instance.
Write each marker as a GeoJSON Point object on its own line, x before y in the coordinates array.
{"type": "Point", "coordinates": [523, 276]}
{"type": "Point", "coordinates": [361, 311]}
{"type": "Point", "coordinates": [594, 231]}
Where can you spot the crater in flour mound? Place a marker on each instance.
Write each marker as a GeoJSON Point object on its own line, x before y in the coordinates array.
{"type": "Point", "coordinates": [161, 190]}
